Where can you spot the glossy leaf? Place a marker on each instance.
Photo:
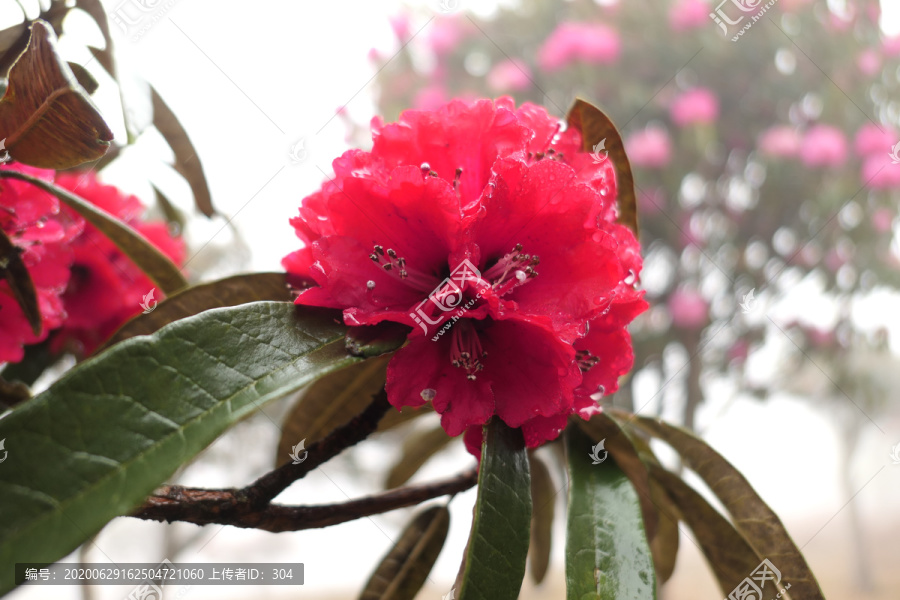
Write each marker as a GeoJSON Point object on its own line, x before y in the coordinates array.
{"type": "Point", "coordinates": [112, 429]}
{"type": "Point", "coordinates": [231, 291]}
{"type": "Point", "coordinates": [376, 338]}
{"type": "Point", "coordinates": [498, 543]}
{"type": "Point", "coordinates": [607, 554]}
{"type": "Point", "coordinates": [729, 555]}
{"type": "Point", "coordinates": [664, 545]}
{"type": "Point", "coordinates": [17, 276]}
{"type": "Point", "coordinates": [595, 128]}
{"type": "Point", "coordinates": [187, 163]}
{"type": "Point", "coordinates": [84, 77]}
{"type": "Point", "coordinates": [402, 573]}
{"type": "Point", "coordinates": [145, 255]}
{"type": "Point", "coordinates": [621, 449]}
{"type": "Point", "coordinates": [329, 403]}
{"type": "Point", "coordinates": [417, 449]}
{"type": "Point", "coordinates": [543, 499]}
{"type": "Point", "coordinates": [753, 518]}
{"type": "Point", "coordinates": [105, 57]}
{"type": "Point", "coordinates": [47, 119]}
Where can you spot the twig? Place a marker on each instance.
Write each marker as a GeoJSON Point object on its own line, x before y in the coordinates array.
{"type": "Point", "coordinates": [266, 488]}
{"type": "Point", "coordinates": [204, 507]}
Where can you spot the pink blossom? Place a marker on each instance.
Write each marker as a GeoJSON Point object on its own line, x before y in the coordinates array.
{"type": "Point", "coordinates": [883, 220]}
{"type": "Point", "coordinates": [650, 147]}
{"type": "Point", "coordinates": [445, 34]}
{"type": "Point", "coordinates": [689, 309]}
{"type": "Point", "coordinates": [698, 105]}
{"type": "Point", "coordinates": [689, 14]}
{"type": "Point", "coordinates": [872, 139]}
{"type": "Point", "coordinates": [879, 173]}
{"type": "Point", "coordinates": [824, 146]}
{"type": "Point", "coordinates": [869, 62]}
{"type": "Point", "coordinates": [509, 75]}
{"type": "Point", "coordinates": [891, 46]}
{"type": "Point", "coordinates": [781, 141]}
{"type": "Point", "coordinates": [400, 26]}
{"type": "Point", "coordinates": [585, 42]}
{"type": "Point", "coordinates": [430, 97]}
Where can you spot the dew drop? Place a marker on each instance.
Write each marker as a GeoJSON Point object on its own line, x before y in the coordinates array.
{"type": "Point", "coordinates": [428, 394]}
{"type": "Point", "coordinates": [370, 285]}
{"type": "Point", "coordinates": [521, 276]}
{"type": "Point", "coordinates": [630, 278]}
{"type": "Point", "coordinates": [597, 237]}
{"type": "Point", "coordinates": [425, 167]}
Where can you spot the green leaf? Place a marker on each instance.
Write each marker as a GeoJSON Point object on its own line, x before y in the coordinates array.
{"type": "Point", "coordinates": [331, 402]}
{"type": "Point", "coordinates": [402, 573]}
{"type": "Point", "coordinates": [607, 555]}
{"type": "Point", "coordinates": [498, 545]}
{"type": "Point", "coordinates": [729, 555]}
{"type": "Point", "coordinates": [101, 438]}
{"type": "Point", "coordinates": [145, 255]}
{"type": "Point", "coordinates": [622, 450]}
{"type": "Point", "coordinates": [17, 276]}
{"type": "Point", "coordinates": [597, 128]}
{"type": "Point", "coordinates": [664, 544]}
{"type": "Point", "coordinates": [417, 449]}
{"type": "Point", "coordinates": [187, 163]}
{"type": "Point", "coordinates": [543, 499]}
{"type": "Point", "coordinates": [752, 517]}
{"type": "Point", "coordinates": [231, 291]}
{"type": "Point", "coordinates": [46, 118]}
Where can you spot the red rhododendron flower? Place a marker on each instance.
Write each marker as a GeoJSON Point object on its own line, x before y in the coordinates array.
{"type": "Point", "coordinates": [31, 219]}
{"type": "Point", "coordinates": [106, 288]}
{"type": "Point", "coordinates": [485, 229]}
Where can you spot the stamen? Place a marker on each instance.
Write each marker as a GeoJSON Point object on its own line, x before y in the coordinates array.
{"type": "Point", "coordinates": [396, 265]}
{"type": "Point", "coordinates": [585, 360]}
{"type": "Point", "coordinates": [465, 349]}
{"type": "Point", "coordinates": [518, 265]}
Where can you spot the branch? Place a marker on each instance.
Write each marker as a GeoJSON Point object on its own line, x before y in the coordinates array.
{"type": "Point", "coordinates": [225, 507]}
{"type": "Point", "coordinates": [266, 488]}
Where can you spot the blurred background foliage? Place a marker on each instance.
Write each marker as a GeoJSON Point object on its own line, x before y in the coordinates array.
{"type": "Point", "coordinates": [766, 183]}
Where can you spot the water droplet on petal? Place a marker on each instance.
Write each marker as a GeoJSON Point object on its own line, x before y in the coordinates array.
{"type": "Point", "coordinates": [428, 394]}
{"type": "Point", "coordinates": [629, 279]}
{"type": "Point", "coordinates": [370, 285]}
{"type": "Point", "coordinates": [597, 236]}
{"type": "Point", "coordinates": [521, 276]}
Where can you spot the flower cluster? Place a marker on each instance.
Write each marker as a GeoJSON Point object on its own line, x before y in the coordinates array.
{"type": "Point", "coordinates": [86, 287]}
{"type": "Point", "coordinates": [486, 230]}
